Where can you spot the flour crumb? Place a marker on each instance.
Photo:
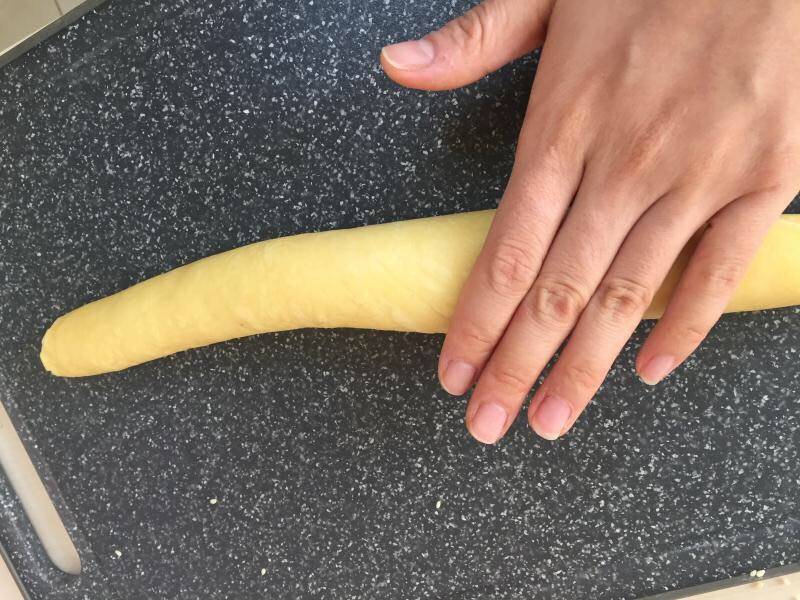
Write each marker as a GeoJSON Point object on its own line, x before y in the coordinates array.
{"type": "Point", "coordinates": [118, 553]}
{"type": "Point", "coordinates": [212, 501]}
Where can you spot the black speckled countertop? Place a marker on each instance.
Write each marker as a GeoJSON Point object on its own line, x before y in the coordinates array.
{"type": "Point", "coordinates": [328, 464]}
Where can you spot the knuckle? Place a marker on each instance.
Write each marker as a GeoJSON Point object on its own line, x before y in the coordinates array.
{"type": "Point", "coordinates": [622, 298]}
{"type": "Point", "coordinates": [511, 269]}
{"type": "Point", "coordinates": [475, 337]}
{"type": "Point", "coordinates": [565, 129]}
{"type": "Point", "coordinates": [583, 376]}
{"type": "Point", "coordinates": [571, 121]}
{"type": "Point", "coordinates": [682, 201]}
{"type": "Point", "coordinates": [658, 129]}
{"type": "Point", "coordinates": [773, 171]}
{"type": "Point", "coordinates": [644, 145]}
{"type": "Point", "coordinates": [508, 378]}
{"type": "Point", "coordinates": [690, 334]}
{"type": "Point", "coordinates": [721, 277]}
{"type": "Point", "coordinates": [471, 29]}
{"type": "Point", "coordinates": [555, 138]}
{"type": "Point", "coordinates": [630, 167]}
{"type": "Point", "coordinates": [555, 301]}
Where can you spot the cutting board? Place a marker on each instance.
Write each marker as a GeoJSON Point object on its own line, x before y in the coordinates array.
{"type": "Point", "coordinates": [321, 464]}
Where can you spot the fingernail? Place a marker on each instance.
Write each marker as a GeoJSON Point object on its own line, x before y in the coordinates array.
{"type": "Point", "coordinates": [415, 54]}
{"type": "Point", "coordinates": [458, 377]}
{"type": "Point", "coordinates": [551, 417]}
{"type": "Point", "coordinates": [488, 423]}
{"type": "Point", "coordinates": [656, 369]}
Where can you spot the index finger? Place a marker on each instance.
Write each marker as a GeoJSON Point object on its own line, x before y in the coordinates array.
{"type": "Point", "coordinates": [539, 192]}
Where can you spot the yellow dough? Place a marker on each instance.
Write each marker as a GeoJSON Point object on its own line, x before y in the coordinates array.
{"type": "Point", "coordinates": [402, 276]}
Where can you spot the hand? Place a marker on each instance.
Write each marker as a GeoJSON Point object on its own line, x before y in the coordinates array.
{"type": "Point", "coordinates": [649, 121]}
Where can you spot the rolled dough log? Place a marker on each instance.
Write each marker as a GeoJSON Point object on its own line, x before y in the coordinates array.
{"type": "Point", "coordinates": [402, 276]}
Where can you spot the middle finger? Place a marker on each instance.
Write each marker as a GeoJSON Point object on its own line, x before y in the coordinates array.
{"type": "Point", "coordinates": [595, 228]}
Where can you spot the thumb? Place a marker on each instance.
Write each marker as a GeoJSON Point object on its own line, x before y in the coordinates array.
{"type": "Point", "coordinates": [480, 41]}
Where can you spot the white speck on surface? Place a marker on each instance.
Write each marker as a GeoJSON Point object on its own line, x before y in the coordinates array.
{"type": "Point", "coordinates": [118, 553]}
{"type": "Point", "coordinates": [213, 501]}
{"type": "Point", "coordinates": [760, 573]}
{"type": "Point", "coordinates": [263, 572]}
{"type": "Point", "coordinates": [438, 504]}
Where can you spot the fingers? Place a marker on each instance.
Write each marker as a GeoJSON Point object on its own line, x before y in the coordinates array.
{"type": "Point", "coordinates": [714, 271]}
{"type": "Point", "coordinates": [610, 317]}
{"type": "Point", "coordinates": [537, 197]}
{"type": "Point", "coordinates": [581, 252]}
{"type": "Point", "coordinates": [482, 40]}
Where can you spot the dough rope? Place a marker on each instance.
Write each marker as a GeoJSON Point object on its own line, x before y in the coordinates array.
{"type": "Point", "coordinates": [402, 276]}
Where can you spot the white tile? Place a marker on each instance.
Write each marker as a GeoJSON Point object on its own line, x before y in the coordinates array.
{"type": "Point", "coordinates": [19, 19]}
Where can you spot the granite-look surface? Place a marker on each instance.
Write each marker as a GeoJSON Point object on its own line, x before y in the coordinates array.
{"type": "Point", "coordinates": [329, 464]}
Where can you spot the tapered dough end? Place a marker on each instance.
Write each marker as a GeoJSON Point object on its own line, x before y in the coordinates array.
{"type": "Point", "coordinates": [59, 356]}
{"type": "Point", "coordinates": [49, 361]}
{"type": "Point", "coordinates": [401, 276]}
{"type": "Point", "coordinates": [54, 361]}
